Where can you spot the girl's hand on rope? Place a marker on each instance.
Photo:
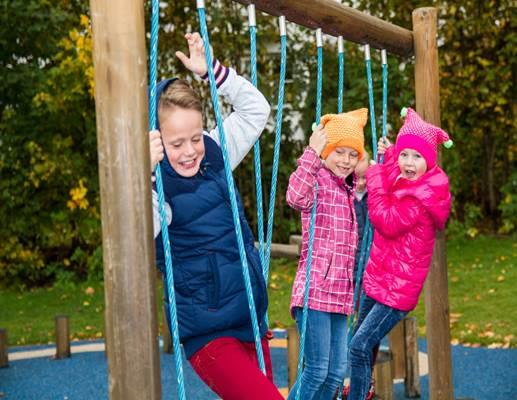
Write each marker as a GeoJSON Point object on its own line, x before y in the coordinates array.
{"type": "Point", "coordinates": [318, 139]}
{"type": "Point", "coordinates": [155, 148]}
{"type": "Point", "coordinates": [196, 61]}
{"type": "Point", "coordinates": [382, 146]}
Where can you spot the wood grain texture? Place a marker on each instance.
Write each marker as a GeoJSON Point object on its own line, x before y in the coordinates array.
{"type": "Point", "coordinates": [427, 93]}
{"type": "Point", "coordinates": [337, 19]}
{"type": "Point", "coordinates": [120, 67]}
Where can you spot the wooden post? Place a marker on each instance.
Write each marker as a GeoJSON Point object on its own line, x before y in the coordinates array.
{"type": "Point", "coordinates": [62, 337]}
{"type": "Point", "coordinates": [412, 375]}
{"type": "Point", "coordinates": [4, 347]}
{"type": "Point", "coordinates": [166, 334]}
{"type": "Point", "coordinates": [398, 351]}
{"type": "Point", "coordinates": [427, 92]}
{"type": "Point", "coordinates": [293, 352]}
{"type": "Point", "coordinates": [383, 376]}
{"type": "Point", "coordinates": [120, 70]}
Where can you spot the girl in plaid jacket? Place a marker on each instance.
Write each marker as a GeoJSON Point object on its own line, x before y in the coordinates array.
{"type": "Point", "coordinates": [339, 141]}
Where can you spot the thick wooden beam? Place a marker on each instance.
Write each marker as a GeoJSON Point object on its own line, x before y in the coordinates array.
{"type": "Point", "coordinates": [427, 92]}
{"type": "Point", "coordinates": [337, 19]}
{"type": "Point", "coordinates": [120, 66]}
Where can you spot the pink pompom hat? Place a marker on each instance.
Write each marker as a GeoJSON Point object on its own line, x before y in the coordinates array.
{"type": "Point", "coordinates": [421, 136]}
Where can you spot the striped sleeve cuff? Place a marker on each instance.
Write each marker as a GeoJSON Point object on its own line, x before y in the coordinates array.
{"type": "Point", "coordinates": [220, 72]}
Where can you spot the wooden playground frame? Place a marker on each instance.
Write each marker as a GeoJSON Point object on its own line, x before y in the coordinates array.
{"type": "Point", "coordinates": [120, 66]}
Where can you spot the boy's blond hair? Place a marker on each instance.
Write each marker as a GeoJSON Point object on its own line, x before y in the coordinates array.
{"type": "Point", "coordinates": [178, 94]}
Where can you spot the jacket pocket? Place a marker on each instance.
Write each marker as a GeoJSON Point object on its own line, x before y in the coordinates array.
{"type": "Point", "coordinates": [201, 279]}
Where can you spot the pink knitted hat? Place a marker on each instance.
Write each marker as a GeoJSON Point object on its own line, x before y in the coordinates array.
{"type": "Point", "coordinates": [421, 136]}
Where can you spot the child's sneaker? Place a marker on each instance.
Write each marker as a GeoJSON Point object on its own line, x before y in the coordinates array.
{"type": "Point", "coordinates": [344, 393]}
{"type": "Point", "coordinates": [371, 392]}
{"type": "Point", "coordinates": [346, 389]}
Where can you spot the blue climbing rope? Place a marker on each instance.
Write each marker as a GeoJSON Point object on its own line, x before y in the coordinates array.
{"type": "Point", "coordinates": [370, 98]}
{"type": "Point", "coordinates": [161, 202]}
{"type": "Point", "coordinates": [319, 84]}
{"type": "Point", "coordinates": [303, 328]}
{"type": "Point", "coordinates": [341, 79]}
{"type": "Point", "coordinates": [384, 97]}
{"type": "Point", "coordinates": [276, 152]}
{"type": "Point", "coordinates": [231, 186]}
{"type": "Point", "coordinates": [368, 230]}
{"type": "Point", "coordinates": [256, 146]}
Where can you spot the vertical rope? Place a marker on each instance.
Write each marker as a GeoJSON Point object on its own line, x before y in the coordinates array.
{"type": "Point", "coordinates": [341, 79]}
{"type": "Point", "coordinates": [256, 146]}
{"type": "Point", "coordinates": [303, 328]}
{"type": "Point", "coordinates": [319, 82]}
{"type": "Point", "coordinates": [276, 153]}
{"type": "Point", "coordinates": [231, 188]}
{"type": "Point", "coordinates": [384, 97]}
{"type": "Point", "coordinates": [370, 98]}
{"type": "Point", "coordinates": [368, 229]}
{"type": "Point", "coordinates": [169, 277]}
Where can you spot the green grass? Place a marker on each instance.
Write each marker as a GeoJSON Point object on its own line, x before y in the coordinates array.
{"type": "Point", "coordinates": [482, 276]}
{"type": "Point", "coordinates": [28, 316]}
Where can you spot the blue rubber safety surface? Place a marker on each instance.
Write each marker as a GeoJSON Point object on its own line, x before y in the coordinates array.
{"type": "Point", "coordinates": [479, 373]}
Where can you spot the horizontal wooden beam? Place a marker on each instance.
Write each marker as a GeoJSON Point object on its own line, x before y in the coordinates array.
{"type": "Point", "coordinates": [337, 19]}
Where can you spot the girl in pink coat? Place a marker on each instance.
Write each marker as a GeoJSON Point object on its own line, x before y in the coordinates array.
{"type": "Point", "coordinates": [339, 140]}
{"type": "Point", "coordinates": [409, 200]}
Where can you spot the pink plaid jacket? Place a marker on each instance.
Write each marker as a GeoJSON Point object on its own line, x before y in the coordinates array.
{"type": "Point", "coordinates": [335, 236]}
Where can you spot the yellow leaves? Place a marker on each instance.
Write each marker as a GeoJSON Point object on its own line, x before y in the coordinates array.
{"type": "Point", "coordinates": [41, 98]}
{"type": "Point", "coordinates": [484, 62]}
{"type": "Point", "coordinates": [472, 232]}
{"type": "Point", "coordinates": [500, 278]}
{"type": "Point", "coordinates": [454, 317]}
{"type": "Point", "coordinates": [78, 197]}
{"type": "Point", "coordinates": [41, 166]}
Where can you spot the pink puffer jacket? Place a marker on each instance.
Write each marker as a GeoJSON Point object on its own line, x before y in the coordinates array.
{"type": "Point", "coordinates": [406, 215]}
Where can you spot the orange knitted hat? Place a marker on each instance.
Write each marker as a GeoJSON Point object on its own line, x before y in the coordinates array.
{"type": "Point", "coordinates": [345, 130]}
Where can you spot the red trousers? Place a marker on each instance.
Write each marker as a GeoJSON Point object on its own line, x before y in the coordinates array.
{"type": "Point", "coordinates": [230, 368]}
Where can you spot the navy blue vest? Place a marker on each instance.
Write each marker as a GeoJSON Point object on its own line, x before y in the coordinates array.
{"type": "Point", "coordinates": [209, 284]}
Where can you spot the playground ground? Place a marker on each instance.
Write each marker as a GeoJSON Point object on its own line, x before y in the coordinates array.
{"type": "Point", "coordinates": [479, 373]}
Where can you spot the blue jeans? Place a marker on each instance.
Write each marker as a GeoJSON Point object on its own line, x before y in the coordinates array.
{"type": "Point", "coordinates": [374, 321]}
{"type": "Point", "coordinates": [325, 355]}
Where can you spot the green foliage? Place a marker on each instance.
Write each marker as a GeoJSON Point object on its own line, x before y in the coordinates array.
{"type": "Point", "coordinates": [49, 191]}
{"type": "Point", "coordinates": [508, 205]}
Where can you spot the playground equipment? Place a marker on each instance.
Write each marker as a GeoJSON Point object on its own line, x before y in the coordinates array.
{"type": "Point", "coordinates": [4, 358]}
{"type": "Point", "coordinates": [62, 337]}
{"type": "Point", "coordinates": [128, 250]}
